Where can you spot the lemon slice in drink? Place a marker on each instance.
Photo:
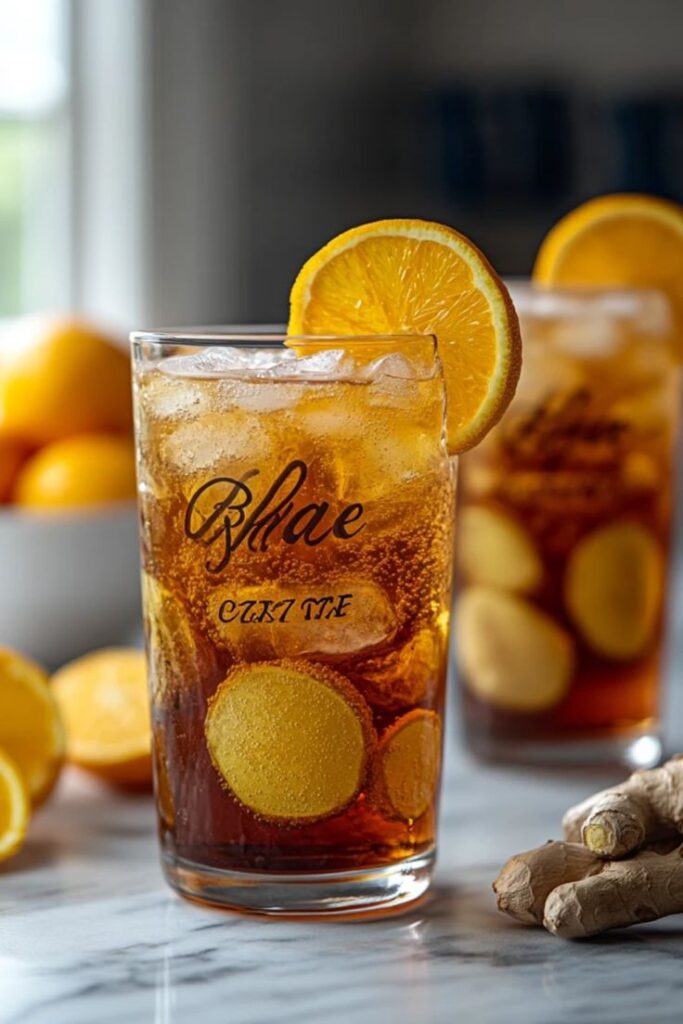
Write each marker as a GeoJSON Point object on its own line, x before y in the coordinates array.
{"type": "Point", "coordinates": [395, 277]}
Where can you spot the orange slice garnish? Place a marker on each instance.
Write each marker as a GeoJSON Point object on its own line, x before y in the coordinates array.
{"type": "Point", "coordinates": [406, 766]}
{"type": "Point", "coordinates": [31, 730]}
{"type": "Point", "coordinates": [103, 699]}
{"type": "Point", "coordinates": [290, 739]}
{"type": "Point", "coordinates": [417, 277]}
{"type": "Point", "coordinates": [615, 241]}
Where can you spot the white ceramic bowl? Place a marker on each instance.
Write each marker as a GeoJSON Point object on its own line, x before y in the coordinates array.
{"type": "Point", "coordinates": [68, 583]}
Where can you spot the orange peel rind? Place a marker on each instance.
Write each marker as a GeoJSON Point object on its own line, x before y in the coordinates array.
{"type": "Point", "coordinates": [613, 589]}
{"type": "Point", "coordinates": [290, 739]}
{"type": "Point", "coordinates": [31, 730]}
{"type": "Point", "coordinates": [406, 766]}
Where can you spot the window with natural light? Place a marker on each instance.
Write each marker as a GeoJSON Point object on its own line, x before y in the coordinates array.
{"type": "Point", "coordinates": [35, 241]}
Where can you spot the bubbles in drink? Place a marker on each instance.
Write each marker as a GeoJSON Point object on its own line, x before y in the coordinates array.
{"type": "Point", "coordinates": [301, 504]}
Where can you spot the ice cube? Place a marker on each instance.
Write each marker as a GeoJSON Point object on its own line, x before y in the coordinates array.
{"type": "Point", "coordinates": [261, 395]}
{"type": "Point", "coordinates": [217, 441]}
{"type": "Point", "coordinates": [404, 676]}
{"type": "Point", "coordinates": [217, 361]}
{"type": "Point", "coordinates": [170, 398]}
{"type": "Point", "coordinates": [345, 616]}
{"type": "Point", "coordinates": [393, 365]}
{"type": "Point", "coordinates": [330, 364]}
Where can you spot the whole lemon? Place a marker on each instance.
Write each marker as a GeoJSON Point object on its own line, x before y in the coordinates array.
{"type": "Point", "coordinates": [92, 469]}
{"type": "Point", "coordinates": [61, 377]}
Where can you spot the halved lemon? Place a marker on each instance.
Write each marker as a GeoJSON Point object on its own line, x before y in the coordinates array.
{"type": "Point", "coordinates": [15, 807]}
{"type": "Point", "coordinates": [617, 240]}
{"type": "Point", "coordinates": [31, 730]}
{"type": "Point", "coordinates": [418, 277]}
{"type": "Point", "coordinates": [103, 698]}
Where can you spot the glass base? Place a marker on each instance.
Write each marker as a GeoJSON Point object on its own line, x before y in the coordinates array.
{"type": "Point", "coordinates": [374, 890]}
{"type": "Point", "coordinates": [643, 750]}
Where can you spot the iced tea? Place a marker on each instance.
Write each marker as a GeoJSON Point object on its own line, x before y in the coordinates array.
{"type": "Point", "coordinates": [297, 514]}
{"type": "Point", "coordinates": [565, 521]}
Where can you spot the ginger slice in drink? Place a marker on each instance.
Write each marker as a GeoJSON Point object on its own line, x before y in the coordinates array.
{"type": "Point", "coordinates": [405, 768]}
{"type": "Point", "coordinates": [497, 551]}
{"type": "Point", "coordinates": [511, 655]}
{"type": "Point", "coordinates": [290, 739]}
{"type": "Point", "coordinates": [613, 589]}
{"type": "Point", "coordinates": [177, 657]}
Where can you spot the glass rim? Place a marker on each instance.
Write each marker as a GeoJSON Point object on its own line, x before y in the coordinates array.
{"type": "Point", "coordinates": [580, 301]}
{"type": "Point", "coordinates": [264, 336]}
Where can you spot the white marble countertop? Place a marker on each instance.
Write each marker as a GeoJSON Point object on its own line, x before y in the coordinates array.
{"type": "Point", "coordinates": [90, 933]}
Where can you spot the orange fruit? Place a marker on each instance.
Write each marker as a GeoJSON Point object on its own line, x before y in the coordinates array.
{"type": "Point", "coordinates": [617, 240]}
{"type": "Point", "coordinates": [104, 703]}
{"type": "Point", "coordinates": [418, 277]}
{"type": "Point", "coordinates": [93, 469]}
{"type": "Point", "coordinates": [12, 455]}
{"type": "Point", "coordinates": [15, 807]}
{"type": "Point", "coordinates": [31, 731]}
{"type": "Point", "coordinates": [61, 377]}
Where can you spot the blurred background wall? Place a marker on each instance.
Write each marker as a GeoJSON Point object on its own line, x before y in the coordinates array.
{"type": "Point", "coordinates": [164, 161]}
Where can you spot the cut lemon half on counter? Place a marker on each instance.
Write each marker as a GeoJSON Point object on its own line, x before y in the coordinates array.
{"type": "Point", "coordinates": [622, 240]}
{"type": "Point", "coordinates": [15, 807]}
{"type": "Point", "coordinates": [418, 277]}
{"type": "Point", "coordinates": [103, 698]}
{"type": "Point", "coordinates": [31, 730]}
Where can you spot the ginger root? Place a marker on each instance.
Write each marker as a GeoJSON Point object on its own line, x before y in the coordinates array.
{"type": "Point", "coordinates": [526, 881]}
{"type": "Point", "coordinates": [574, 894]}
{"type": "Point", "coordinates": [623, 892]}
{"type": "Point", "coordinates": [627, 870]}
{"type": "Point", "coordinates": [620, 820]}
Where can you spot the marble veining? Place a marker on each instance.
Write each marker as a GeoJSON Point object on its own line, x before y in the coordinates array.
{"type": "Point", "coordinates": [90, 933]}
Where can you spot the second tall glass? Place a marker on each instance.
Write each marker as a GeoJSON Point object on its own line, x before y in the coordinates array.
{"type": "Point", "coordinates": [564, 534]}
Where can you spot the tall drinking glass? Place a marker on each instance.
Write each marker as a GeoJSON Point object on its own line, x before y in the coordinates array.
{"type": "Point", "coordinates": [565, 522]}
{"type": "Point", "coordinates": [296, 506]}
